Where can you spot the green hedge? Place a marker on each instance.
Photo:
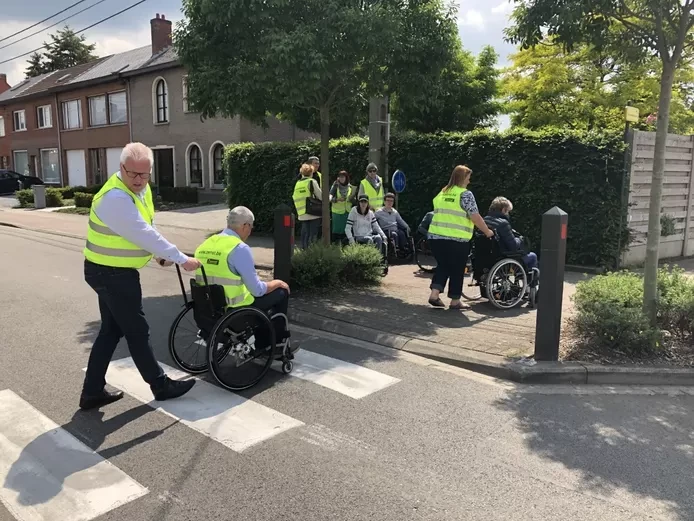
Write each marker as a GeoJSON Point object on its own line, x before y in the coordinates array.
{"type": "Point", "coordinates": [83, 200]}
{"type": "Point", "coordinates": [581, 173]}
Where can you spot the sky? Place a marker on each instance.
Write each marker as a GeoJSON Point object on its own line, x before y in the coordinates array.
{"type": "Point", "coordinates": [479, 24]}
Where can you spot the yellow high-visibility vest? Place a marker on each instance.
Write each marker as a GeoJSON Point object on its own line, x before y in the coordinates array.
{"type": "Point", "coordinates": [342, 207]}
{"type": "Point", "coordinates": [106, 247]}
{"type": "Point", "coordinates": [450, 220]}
{"type": "Point", "coordinates": [302, 190]}
{"type": "Point", "coordinates": [213, 254]}
{"type": "Point", "coordinates": [375, 198]}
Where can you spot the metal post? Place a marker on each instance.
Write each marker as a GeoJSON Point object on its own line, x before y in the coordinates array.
{"type": "Point", "coordinates": [284, 242]}
{"type": "Point", "coordinates": [553, 259]}
{"type": "Point", "coordinates": [39, 196]}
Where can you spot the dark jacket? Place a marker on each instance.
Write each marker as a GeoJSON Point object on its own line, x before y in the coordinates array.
{"type": "Point", "coordinates": [423, 227]}
{"type": "Point", "coordinates": [499, 223]}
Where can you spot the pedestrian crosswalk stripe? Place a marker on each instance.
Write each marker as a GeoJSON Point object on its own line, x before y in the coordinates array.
{"type": "Point", "coordinates": [346, 378]}
{"type": "Point", "coordinates": [224, 416]}
{"type": "Point", "coordinates": [47, 474]}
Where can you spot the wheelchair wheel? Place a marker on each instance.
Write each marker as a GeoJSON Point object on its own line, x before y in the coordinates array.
{"type": "Point", "coordinates": [507, 284]}
{"type": "Point", "coordinates": [423, 256]}
{"type": "Point", "coordinates": [472, 290]}
{"type": "Point", "coordinates": [184, 339]}
{"type": "Point", "coordinates": [241, 348]}
{"type": "Point", "coordinates": [532, 297]}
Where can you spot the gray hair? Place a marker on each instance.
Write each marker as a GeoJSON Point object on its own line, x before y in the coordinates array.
{"type": "Point", "coordinates": [313, 158]}
{"type": "Point", "coordinates": [137, 152]}
{"type": "Point", "coordinates": [499, 204]}
{"type": "Point", "coordinates": [238, 216]}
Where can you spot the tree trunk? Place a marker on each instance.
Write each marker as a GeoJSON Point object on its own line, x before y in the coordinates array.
{"type": "Point", "coordinates": [325, 170]}
{"type": "Point", "coordinates": [650, 286]}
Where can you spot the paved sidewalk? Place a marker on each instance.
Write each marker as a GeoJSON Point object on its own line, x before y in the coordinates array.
{"type": "Point", "coordinates": [185, 228]}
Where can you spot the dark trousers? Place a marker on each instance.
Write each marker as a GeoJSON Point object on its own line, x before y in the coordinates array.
{"type": "Point", "coordinates": [120, 304]}
{"type": "Point", "coordinates": [399, 237]}
{"type": "Point", "coordinates": [275, 302]}
{"type": "Point", "coordinates": [451, 257]}
{"type": "Point", "coordinates": [309, 232]}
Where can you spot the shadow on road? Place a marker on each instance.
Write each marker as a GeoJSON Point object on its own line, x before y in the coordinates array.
{"type": "Point", "coordinates": [619, 449]}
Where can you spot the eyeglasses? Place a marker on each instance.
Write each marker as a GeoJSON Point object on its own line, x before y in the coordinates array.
{"type": "Point", "coordinates": [133, 175]}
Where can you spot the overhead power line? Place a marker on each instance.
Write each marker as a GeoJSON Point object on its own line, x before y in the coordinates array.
{"type": "Point", "coordinates": [45, 19]}
{"type": "Point", "coordinates": [56, 23]}
{"type": "Point", "coordinates": [77, 32]}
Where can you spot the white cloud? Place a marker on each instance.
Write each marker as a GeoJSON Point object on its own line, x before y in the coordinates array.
{"type": "Point", "coordinates": [503, 8]}
{"type": "Point", "coordinates": [107, 42]}
{"type": "Point", "coordinates": [471, 18]}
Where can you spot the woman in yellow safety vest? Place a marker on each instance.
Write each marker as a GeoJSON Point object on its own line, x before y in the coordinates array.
{"type": "Point", "coordinates": [372, 186]}
{"type": "Point", "coordinates": [450, 231]}
{"type": "Point", "coordinates": [342, 195]}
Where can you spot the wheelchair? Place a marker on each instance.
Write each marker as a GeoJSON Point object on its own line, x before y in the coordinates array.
{"type": "Point", "coordinates": [395, 254]}
{"type": "Point", "coordinates": [422, 253]}
{"type": "Point", "coordinates": [501, 278]}
{"type": "Point", "coordinates": [246, 338]}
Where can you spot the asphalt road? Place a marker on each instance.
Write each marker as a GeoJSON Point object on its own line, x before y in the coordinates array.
{"type": "Point", "coordinates": [421, 441]}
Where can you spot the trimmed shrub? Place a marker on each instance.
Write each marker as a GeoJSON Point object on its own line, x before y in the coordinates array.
{"type": "Point", "coordinates": [83, 200]}
{"type": "Point", "coordinates": [676, 302]}
{"type": "Point", "coordinates": [581, 173]}
{"type": "Point", "coordinates": [321, 266]}
{"type": "Point", "coordinates": [179, 194]}
{"type": "Point", "coordinates": [54, 197]}
{"type": "Point", "coordinates": [25, 197]}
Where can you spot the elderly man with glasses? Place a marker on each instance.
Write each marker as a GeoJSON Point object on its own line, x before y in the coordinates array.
{"type": "Point", "coordinates": [121, 239]}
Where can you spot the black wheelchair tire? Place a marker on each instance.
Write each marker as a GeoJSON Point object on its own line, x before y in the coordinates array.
{"type": "Point", "coordinates": [192, 369]}
{"type": "Point", "coordinates": [219, 327]}
{"type": "Point", "coordinates": [418, 259]}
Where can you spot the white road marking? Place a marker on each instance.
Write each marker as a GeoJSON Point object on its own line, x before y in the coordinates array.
{"type": "Point", "coordinates": [46, 474]}
{"type": "Point", "coordinates": [346, 378]}
{"type": "Point", "coordinates": [224, 416]}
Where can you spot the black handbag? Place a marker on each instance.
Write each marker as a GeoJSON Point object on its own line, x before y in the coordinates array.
{"type": "Point", "coordinates": [314, 206]}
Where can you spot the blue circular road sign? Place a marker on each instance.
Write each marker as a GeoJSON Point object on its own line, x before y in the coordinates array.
{"type": "Point", "coordinates": [398, 181]}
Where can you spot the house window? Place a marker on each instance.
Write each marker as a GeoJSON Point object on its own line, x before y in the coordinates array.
{"type": "Point", "coordinates": [162, 98]}
{"type": "Point", "coordinates": [117, 108]}
{"type": "Point", "coordinates": [72, 115]}
{"type": "Point", "coordinates": [218, 164]}
{"type": "Point", "coordinates": [21, 161]}
{"type": "Point", "coordinates": [20, 122]}
{"type": "Point", "coordinates": [195, 165]}
{"type": "Point", "coordinates": [44, 117]}
{"type": "Point", "coordinates": [50, 172]}
{"type": "Point", "coordinates": [2, 126]}
{"type": "Point", "coordinates": [97, 111]}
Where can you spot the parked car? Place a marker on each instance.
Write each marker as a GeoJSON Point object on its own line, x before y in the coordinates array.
{"type": "Point", "coordinates": [11, 181]}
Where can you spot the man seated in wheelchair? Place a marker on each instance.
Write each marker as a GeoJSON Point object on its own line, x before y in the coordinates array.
{"type": "Point", "coordinates": [229, 265]}
{"type": "Point", "coordinates": [392, 224]}
{"type": "Point", "coordinates": [510, 241]}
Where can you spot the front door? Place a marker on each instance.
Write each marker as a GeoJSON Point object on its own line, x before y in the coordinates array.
{"type": "Point", "coordinates": [164, 167]}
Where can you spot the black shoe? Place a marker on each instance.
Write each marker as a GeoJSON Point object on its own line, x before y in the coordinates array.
{"type": "Point", "coordinates": [99, 400]}
{"type": "Point", "coordinates": [172, 389]}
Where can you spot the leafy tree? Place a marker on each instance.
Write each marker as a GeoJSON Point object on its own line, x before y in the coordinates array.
{"type": "Point", "coordinates": [65, 50]}
{"type": "Point", "coordinates": [308, 60]}
{"type": "Point", "coordinates": [634, 30]}
{"type": "Point", "coordinates": [588, 89]}
{"type": "Point", "coordinates": [462, 98]}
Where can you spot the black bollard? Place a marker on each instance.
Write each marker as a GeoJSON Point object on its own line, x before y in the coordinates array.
{"type": "Point", "coordinates": [284, 242]}
{"type": "Point", "coordinates": [551, 292]}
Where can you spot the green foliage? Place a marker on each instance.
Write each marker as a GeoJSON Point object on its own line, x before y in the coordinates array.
{"type": "Point", "coordinates": [667, 225]}
{"type": "Point", "coordinates": [588, 89]}
{"type": "Point", "coordinates": [461, 100]}
{"type": "Point", "coordinates": [581, 173]}
{"type": "Point", "coordinates": [25, 197]}
{"type": "Point", "coordinates": [609, 314]}
{"type": "Point", "coordinates": [66, 49]}
{"type": "Point", "coordinates": [83, 200]}
{"type": "Point", "coordinates": [179, 194]}
{"type": "Point", "coordinates": [330, 266]}
{"type": "Point", "coordinates": [54, 197]}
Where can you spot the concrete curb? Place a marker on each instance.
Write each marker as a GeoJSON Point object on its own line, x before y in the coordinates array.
{"type": "Point", "coordinates": [79, 237]}
{"type": "Point", "coordinates": [499, 367]}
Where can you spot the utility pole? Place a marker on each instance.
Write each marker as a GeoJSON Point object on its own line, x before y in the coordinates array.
{"type": "Point", "coordinates": [379, 135]}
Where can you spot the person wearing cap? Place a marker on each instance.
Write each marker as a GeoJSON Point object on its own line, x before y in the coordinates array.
{"type": "Point", "coordinates": [372, 186]}
{"type": "Point", "coordinates": [342, 195]}
{"type": "Point", "coordinates": [315, 163]}
{"type": "Point", "coordinates": [362, 226]}
{"type": "Point", "coordinates": [391, 223]}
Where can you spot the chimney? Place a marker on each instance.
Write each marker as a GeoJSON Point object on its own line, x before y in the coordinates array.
{"type": "Point", "coordinates": [161, 34]}
{"type": "Point", "coordinates": [3, 83]}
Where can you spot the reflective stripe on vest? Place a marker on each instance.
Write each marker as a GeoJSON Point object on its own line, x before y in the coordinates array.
{"type": "Point", "coordinates": [342, 206]}
{"type": "Point", "coordinates": [213, 254]}
{"type": "Point", "coordinates": [106, 247]}
{"type": "Point", "coordinates": [301, 192]}
{"type": "Point", "coordinates": [375, 198]}
{"type": "Point", "coordinates": [449, 219]}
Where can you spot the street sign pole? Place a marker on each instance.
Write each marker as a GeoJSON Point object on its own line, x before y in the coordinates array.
{"type": "Point", "coordinates": [397, 183]}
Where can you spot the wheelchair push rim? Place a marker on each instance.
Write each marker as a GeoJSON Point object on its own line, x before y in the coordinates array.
{"type": "Point", "coordinates": [498, 285]}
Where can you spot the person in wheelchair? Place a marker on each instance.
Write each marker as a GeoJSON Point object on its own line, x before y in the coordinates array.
{"type": "Point", "coordinates": [228, 262]}
{"type": "Point", "coordinates": [423, 227]}
{"type": "Point", "coordinates": [510, 241]}
{"type": "Point", "coordinates": [392, 224]}
{"type": "Point", "coordinates": [362, 226]}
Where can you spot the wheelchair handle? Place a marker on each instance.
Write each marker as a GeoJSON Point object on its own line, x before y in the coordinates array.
{"type": "Point", "coordinates": [180, 280]}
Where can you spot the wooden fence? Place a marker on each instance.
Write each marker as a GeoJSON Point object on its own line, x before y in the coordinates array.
{"type": "Point", "coordinates": [677, 212]}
